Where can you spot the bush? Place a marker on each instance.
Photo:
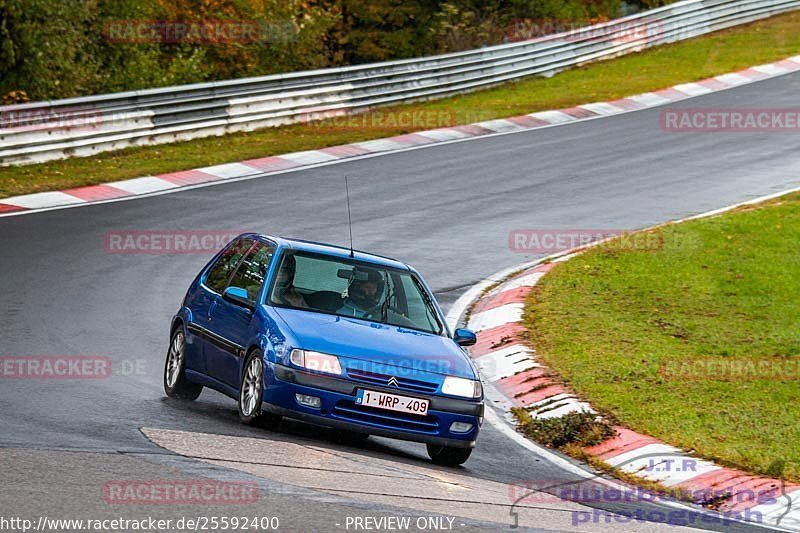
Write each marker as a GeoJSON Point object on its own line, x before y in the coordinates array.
{"type": "Point", "coordinates": [46, 49]}
{"type": "Point", "coordinates": [52, 50]}
{"type": "Point", "coordinates": [581, 429]}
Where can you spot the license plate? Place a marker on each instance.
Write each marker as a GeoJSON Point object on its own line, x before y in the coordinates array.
{"type": "Point", "coordinates": [392, 402]}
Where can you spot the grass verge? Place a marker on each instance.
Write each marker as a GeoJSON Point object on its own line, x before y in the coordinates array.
{"type": "Point", "coordinates": [734, 49]}
{"type": "Point", "coordinates": [694, 341]}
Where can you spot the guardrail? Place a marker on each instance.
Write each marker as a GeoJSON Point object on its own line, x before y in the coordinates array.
{"type": "Point", "coordinates": [41, 131]}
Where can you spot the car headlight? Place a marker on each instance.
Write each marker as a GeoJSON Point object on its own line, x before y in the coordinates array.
{"type": "Point", "coordinates": [467, 388]}
{"type": "Point", "coordinates": [316, 361]}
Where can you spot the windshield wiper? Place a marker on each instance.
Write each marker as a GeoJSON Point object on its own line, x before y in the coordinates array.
{"type": "Point", "coordinates": [430, 308]}
{"type": "Point", "coordinates": [385, 304]}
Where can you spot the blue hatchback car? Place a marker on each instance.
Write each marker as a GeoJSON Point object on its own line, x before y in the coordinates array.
{"type": "Point", "coordinates": [324, 334]}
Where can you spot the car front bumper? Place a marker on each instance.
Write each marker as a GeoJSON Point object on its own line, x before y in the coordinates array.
{"type": "Point", "coordinates": [338, 409]}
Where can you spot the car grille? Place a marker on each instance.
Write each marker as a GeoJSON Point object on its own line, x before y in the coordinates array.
{"type": "Point", "coordinates": [382, 380]}
{"type": "Point", "coordinates": [350, 411]}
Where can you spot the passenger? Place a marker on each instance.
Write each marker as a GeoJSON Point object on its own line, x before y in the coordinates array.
{"type": "Point", "coordinates": [363, 294]}
{"type": "Point", "coordinates": [285, 291]}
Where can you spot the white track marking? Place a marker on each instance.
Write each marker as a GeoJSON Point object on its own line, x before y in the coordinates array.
{"type": "Point", "coordinates": [553, 117]}
{"type": "Point", "coordinates": [563, 409]}
{"type": "Point", "coordinates": [500, 125]}
{"type": "Point", "coordinates": [774, 512]}
{"type": "Point", "coordinates": [603, 108]}
{"type": "Point", "coordinates": [505, 362]}
{"type": "Point", "coordinates": [380, 145]}
{"type": "Point", "coordinates": [445, 135]}
{"type": "Point", "coordinates": [528, 280]}
{"type": "Point", "coordinates": [146, 185]}
{"type": "Point", "coordinates": [42, 199]}
{"type": "Point", "coordinates": [732, 79]}
{"type": "Point", "coordinates": [499, 316]}
{"type": "Point", "coordinates": [771, 69]}
{"type": "Point", "coordinates": [693, 89]}
{"type": "Point", "coordinates": [661, 462]}
{"type": "Point", "coordinates": [650, 99]}
{"type": "Point", "coordinates": [309, 157]}
{"type": "Point", "coordinates": [229, 170]}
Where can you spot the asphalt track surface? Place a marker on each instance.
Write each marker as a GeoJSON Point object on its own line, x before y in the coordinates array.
{"type": "Point", "coordinates": [446, 209]}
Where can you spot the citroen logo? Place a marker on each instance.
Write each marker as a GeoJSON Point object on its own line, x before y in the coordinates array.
{"type": "Point", "coordinates": [392, 382]}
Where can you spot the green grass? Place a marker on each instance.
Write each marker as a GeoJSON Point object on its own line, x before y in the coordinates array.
{"type": "Point", "coordinates": [618, 323]}
{"type": "Point", "coordinates": [769, 40]}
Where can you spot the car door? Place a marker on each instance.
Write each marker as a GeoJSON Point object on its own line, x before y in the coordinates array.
{"type": "Point", "coordinates": [204, 298]}
{"type": "Point", "coordinates": [231, 322]}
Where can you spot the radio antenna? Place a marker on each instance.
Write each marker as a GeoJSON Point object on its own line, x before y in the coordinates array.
{"type": "Point", "coordinates": [349, 218]}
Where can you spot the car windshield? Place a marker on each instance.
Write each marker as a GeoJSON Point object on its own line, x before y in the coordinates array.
{"type": "Point", "coordinates": [325, 284]}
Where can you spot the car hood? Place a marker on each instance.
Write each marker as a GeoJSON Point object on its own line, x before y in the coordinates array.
{"type": "Point", "coordinates": [393, 346]}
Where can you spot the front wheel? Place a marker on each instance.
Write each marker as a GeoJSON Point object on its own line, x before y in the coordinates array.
{"type": "Point", "coordinates": [448, 455]}
{"type": "Point", "coordinates": [250, 392]}
{"type": "Point", "coordinates": [175, 383]}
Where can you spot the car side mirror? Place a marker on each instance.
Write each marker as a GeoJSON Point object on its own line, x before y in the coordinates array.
{"type": "Point", "coordinates": [238, 296]}
{"type": "Point", "coordinates": [464, 337]}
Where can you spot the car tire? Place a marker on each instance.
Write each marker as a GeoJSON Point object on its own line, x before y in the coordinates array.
{"type": "Point", "coordinates": [448, 455]}
{"type": "Point", "coordinates": [250, 392]}
{"type": "Point", "coordinates": [175, 383]}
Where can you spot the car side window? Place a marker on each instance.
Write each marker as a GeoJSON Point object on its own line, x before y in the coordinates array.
{"type": "Point", "coordinates": [253, 269]}
{"type": "Point", "coordinates": [220, 273]}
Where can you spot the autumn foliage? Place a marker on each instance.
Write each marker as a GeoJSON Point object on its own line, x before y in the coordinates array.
{"type": "Point", "coordinates": [60, 49]}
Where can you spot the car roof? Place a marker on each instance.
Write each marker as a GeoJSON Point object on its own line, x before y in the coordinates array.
{"type": "Point", "coordinates": [337, 251]}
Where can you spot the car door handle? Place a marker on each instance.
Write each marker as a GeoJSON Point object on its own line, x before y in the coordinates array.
{"type": "Point", "coordinates": [211, 308]}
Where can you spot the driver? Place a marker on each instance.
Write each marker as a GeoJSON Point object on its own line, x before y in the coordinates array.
{"type": "Point", "coordinates": [285, 291]}
{"type": "Point", "coordinates": [363, 294]}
